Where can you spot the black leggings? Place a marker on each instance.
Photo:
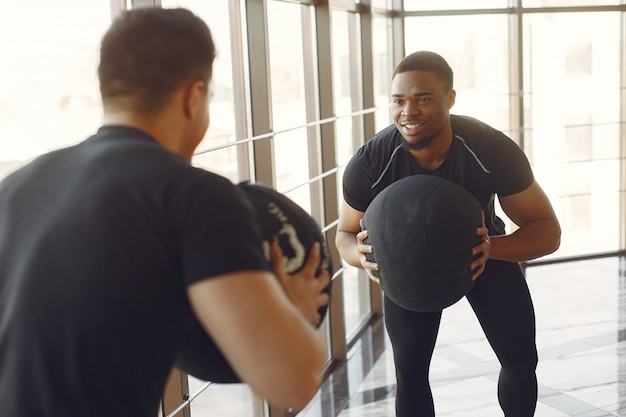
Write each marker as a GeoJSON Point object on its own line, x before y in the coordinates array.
{"type": "Point", "coordinates": [501, 301]}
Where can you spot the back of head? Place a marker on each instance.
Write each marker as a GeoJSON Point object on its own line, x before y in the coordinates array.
{"type": "Point", "coordinates": [426, 61]}
{"type": "Point", "coordinates": [147, 53]}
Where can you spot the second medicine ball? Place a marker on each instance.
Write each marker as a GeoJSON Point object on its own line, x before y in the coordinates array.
{"type": "Point", "coordinates": [422, 230]}
{"type": "Point", "coordinates": [282, 220]}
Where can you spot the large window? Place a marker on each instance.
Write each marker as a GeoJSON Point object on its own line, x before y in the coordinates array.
{"type": "Point", "coordinates": [572, 123]}
{"type": "Point", "coordinates": [479, 57]}
{"type": "Point", "coordinates": [48, 87]}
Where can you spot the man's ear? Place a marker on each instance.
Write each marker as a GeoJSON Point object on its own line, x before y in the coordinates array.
{"type": "Point", "coordinates": [451, 98]}
{"type": "Point", "coordinates": [194, 98]}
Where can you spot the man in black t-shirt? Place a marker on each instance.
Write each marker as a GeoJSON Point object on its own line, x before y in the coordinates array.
{"type": "Point", "coordinates": [426, 140]}
{"type": "Point", "coordinates": [111, 249]}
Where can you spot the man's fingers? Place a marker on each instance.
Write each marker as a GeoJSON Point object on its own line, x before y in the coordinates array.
{"type": "Point", "coordinates": [276, 260]}
{"type": "Point", "coordinates": [323, 299]}
{"type": "Point", "coordinates": [313, 260]}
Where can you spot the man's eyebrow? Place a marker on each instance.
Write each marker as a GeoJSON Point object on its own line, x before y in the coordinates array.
{"type": "Point", "coordinates": [414, 95]}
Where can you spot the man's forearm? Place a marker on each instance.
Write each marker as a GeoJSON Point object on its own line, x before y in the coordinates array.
{"type": "Point", "coordinates": [531, 241]}
{"type": "Point", "coordinates": [347, 246]}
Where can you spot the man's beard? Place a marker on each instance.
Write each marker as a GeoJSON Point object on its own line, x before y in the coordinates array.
{"type": "Point", "coordinates": [419, 145]}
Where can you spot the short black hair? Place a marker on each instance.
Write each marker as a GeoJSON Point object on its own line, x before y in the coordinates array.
{"type": "Point", "coordinates": [148, 52]}
{"type": "Point", "coordinates": [427, 61]}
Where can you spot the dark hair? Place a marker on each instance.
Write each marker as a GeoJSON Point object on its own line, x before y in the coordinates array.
{"type": "Point", "coordinates": [429, 62]}
{"type": "Point", "coordinates": [148, 52]}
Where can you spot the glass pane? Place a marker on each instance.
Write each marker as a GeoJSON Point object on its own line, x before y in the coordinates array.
{"type": "Point", "coordinates": [453, 4]}
{"type": "Point", "coordinates": [569, 3]}
{"type": "Point", "coordinates": [479, 57]}
{"type": "Point", "coordinates": [222, 161]}
{"type": "Point", "coordinates": [222, 128]}
{"type": "Point", "coordinates": [342, 84]}
{"type": "Point", "coordinates": [381, 4]}
{"type": "Point", "coordinates": [285, 27]}
{"type": "Point", "coordinates": [382, 71]}
{"type": "Point", "coordinates": [342, 35]}
{"type": "Point", "coordinates": [49, 96]}
{"type": "Point", "coordinates": [572, 134]}
{"type": "Point", "coordinates": [292, 165]}
{"type": "Point", "coordinates": [286, 62]}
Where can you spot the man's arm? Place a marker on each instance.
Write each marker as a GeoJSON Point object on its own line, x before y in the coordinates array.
{"type": "Point", "coordinates": [349, 240]}
{"type": "Point", "coordinates": [539, 232]}
{"type": "Point", "coordinates": [269, 342]}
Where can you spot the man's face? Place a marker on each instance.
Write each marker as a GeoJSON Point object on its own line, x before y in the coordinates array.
{"type": "Point", "coordinates": [420, 106]}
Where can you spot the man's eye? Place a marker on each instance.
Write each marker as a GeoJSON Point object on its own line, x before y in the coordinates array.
{"type": "Point", "coordinates": [398, 102]}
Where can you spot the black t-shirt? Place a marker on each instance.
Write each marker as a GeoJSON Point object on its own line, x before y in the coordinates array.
{"type": "Point", "coordinates": [97, 244]}
{"type": "Point", "coordinates": [481, 159]}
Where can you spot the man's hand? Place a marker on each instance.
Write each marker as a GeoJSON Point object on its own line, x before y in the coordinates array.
{"type": "Point", "coordinates": [478, 265]}
{"type": "Point", "coordinates": [364, 249]}
{"type": "Point", "coordinates": [304, 288]}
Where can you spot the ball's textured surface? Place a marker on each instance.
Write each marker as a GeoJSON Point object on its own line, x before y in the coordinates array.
{"type": "Point", "coordinates": [422, 230]}
{"type": "Point", "coordinates": [282, 220]}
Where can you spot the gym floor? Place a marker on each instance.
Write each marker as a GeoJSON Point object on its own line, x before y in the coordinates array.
{"type": "Point", "coordinates": [581, 339]}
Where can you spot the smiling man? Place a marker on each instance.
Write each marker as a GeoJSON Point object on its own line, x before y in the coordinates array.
{"type": "Point", "coordinates": [426, 139]}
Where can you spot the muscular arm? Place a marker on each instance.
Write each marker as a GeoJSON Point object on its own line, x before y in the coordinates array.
{"type": "Point", "coordinates": [268, 341]}
{"type": "Point", "coordinates": [349, 240]}
{"type": "Point", "coordinates": [539, 232]}
{"type": "Point", "coordinates": [347, 229]}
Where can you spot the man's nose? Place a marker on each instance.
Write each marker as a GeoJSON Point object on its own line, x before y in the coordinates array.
{"type": "Point", "coordinates": [410, 107]}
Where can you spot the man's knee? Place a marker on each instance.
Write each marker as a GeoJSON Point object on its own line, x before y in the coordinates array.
{"type": "Point", "coordinates": [521, 362]}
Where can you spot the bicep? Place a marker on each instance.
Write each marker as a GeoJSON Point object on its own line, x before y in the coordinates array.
{"type": "Point", "coordinates": [349, 219]}
{"type": "Point", "coordinates": [527, 206]}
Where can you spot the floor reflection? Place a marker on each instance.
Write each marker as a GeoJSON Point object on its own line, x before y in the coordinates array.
{"type": "Point", "coordinates": [581, 337]}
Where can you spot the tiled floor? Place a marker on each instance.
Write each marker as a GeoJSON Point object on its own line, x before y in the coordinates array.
{"type": "Point", "coordinates": [581, 338]}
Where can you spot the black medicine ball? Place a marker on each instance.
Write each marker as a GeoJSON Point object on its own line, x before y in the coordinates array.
{"type": "Point", "coordinates": [281, 219]}
{"type": "Point", "coordinates": [422, 230]}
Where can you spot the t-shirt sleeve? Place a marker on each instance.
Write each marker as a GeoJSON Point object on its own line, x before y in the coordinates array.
{"type": "Point", "coordinates": [357, 190]}
{"type": "Point", "coordinates": [219, 232]}
{"type": "Point", "coordinates": [513, 173]}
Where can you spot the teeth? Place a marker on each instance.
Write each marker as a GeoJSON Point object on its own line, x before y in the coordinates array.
{"type": "Point", "coordinates": [412, 126]}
